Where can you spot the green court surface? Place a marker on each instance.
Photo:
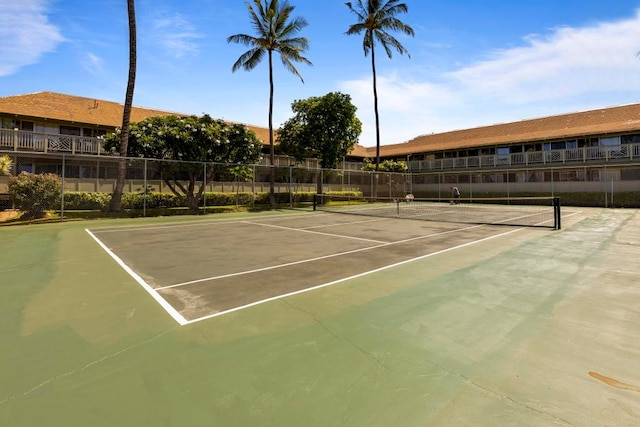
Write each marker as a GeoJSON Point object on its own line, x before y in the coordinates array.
{"type": "Point", "coordinates": [487, 326]}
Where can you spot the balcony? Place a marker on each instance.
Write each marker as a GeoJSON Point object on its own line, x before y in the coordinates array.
{"type": "Point", "coordinates": [24, 141]}
{"type": "Point", "coordinates": [16, 140]}
{"type": "Point", "coordinates": [606, 154]}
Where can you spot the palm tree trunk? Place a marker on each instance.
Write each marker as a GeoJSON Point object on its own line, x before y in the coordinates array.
{"type": "Point", "coordinates": [375, 105]}
{"type": "Point", "coordinates": [272, 171]}
{"type": "Point", "coordinates": [375, 110]}
{"type": "Point", "coordinates": [115, 204]}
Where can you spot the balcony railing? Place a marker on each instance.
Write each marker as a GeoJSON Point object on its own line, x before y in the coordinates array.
{"type": "Point", "coordinates": [15, 140]}
{"type": "Point", "coordinates": [24, 141]}
{"type": "Point", "coordinates": [606, 153]}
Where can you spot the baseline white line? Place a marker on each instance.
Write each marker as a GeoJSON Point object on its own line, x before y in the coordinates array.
{"type": "Point", "coordinates": [304, 230]}
{"type": "Point", "coordinates": [163, 303]}
{"type": "Point", "coordinates": [351, 277]}
{"type": "Point", "coordinates": [273, 267]}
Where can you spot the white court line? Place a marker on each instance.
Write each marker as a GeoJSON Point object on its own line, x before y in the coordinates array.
{"type": "Point", "coordinates": [182, 321]}
{"type": "Point", "coordinates": [339, 224]}
{"type": "Point", "coordinates": [163, 303]}
{"type": "Point", "coordinates": [273, 267]}
{"type": "Point", "coordinates": [304, 230]}
{"type": "Point", "coordinates": [350, 277]}
{"type": "Point", "coordinates": [127, 228]}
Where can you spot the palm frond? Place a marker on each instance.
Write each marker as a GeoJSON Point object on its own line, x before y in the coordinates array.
{"type": "Point", "coordinates": [275, 31]}
{"type": "Point", "coordinates": [249, 60]}
{"type": "Point", "coordinates": [359, 10]}
{"type": "Point", "coordinates": [388, 42]}
{"type": "Point", "coordinates": [375, 19]}
{"type": "Point", "coordinates": [242, 39]}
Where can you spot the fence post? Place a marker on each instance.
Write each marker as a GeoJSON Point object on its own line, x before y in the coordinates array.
{"type": "Point", "coordinates": [144, 194]}
{"type": "Point", "coordinates": [62, 193]}
{"type": "Point", "coordinates": [204, 184]}
{"type": "Point", "coordinates": [290, 187]}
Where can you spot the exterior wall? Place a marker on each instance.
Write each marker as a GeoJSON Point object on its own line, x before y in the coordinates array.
{"type": "Point", "coordinates": [4, 184]}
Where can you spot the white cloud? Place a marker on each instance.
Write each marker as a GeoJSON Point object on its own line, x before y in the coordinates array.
{"type": "Point", "coordinates": [26, 34]}
{"type": "Point", "coordinates": [570, 61]}
{"type": "Point", "coordinates": [566, 70]}
{"type": "Point", "coordinates": [176, 35]}
{"type": "Point", "coordinates": [93, 64]}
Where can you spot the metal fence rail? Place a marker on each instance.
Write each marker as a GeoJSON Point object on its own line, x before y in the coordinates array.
{"type": "Point", "coordinates": [248, 185]}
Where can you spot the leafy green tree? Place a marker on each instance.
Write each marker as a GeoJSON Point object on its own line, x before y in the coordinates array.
{"type": "Point", "coordinates": [323, 127]}
{"type": "Point", "coordinates": [115, 205]}
{"type": "Point", "coordinates": [33, 194]}
{"type": "Point", "coordinates": [375, 19]}
{"type": "Point", "coordinates": [275, 30]}
{"type": "Point", "coordinates": [191, 140]}
{"type": "Point", "coordinates": [386, 166]}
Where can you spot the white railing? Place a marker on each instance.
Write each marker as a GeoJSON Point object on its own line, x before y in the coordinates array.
{"type": "Point", "coordinates": [24, 141]}
{"type": "Point", "coordinates": [606, 153]}
{"type": "Point", "coordinates": [16, 140]}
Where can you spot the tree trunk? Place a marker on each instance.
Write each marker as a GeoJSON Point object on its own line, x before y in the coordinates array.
{"type": "Point", "coordinates": [272, 171]}
{"type": "Point", "coordinates": [115, 204]}
{"type": "Point", "coordinates": [375, 105]}
{"type": "Point", "coordinates": [375, 109]}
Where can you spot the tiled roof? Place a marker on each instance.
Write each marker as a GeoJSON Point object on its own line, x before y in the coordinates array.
{"type": "Point", "coordinates": [360, 151]}
{"type": "Point", "coordinates": [85, 111]}
{"type": "Point", "coordinates": [80, 110]}
{"type": "Point", "coordinates": [604, 121]}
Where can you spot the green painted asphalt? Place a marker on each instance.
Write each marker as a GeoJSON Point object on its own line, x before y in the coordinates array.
{"type": "Point", "coordinates": [533, 328]}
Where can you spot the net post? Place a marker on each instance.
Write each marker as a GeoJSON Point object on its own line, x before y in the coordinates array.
{"type": "Point", "coordinates": [556, 213]}
{"type": "Point", "coordinates": [315, 201]}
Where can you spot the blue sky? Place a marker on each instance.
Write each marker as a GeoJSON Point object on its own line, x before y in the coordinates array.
{"type": "Point", "coordinates": [472, 62]}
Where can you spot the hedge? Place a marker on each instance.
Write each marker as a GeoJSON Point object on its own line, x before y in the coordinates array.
{"type": "Point", "coordinates": [77, 200]}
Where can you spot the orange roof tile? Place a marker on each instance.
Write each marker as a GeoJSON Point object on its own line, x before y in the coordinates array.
{"type": "Point", "coordinates": [611, 120]}
{"type": "Point", "coordinates": [81, 110]}
{"type": "Point", "coordinates": [87, 111]}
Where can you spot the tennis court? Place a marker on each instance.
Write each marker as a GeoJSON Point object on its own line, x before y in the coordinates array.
{"type": "Point", "coordinates": [288, 318]}
{"type": "Point", "coordinates": [200, 270]}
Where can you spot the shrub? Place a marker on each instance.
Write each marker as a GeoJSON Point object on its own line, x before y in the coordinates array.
{"type": "Point", "coordinates": [78, 200]}
{"type": "Point", "coordinates": [33, 194]}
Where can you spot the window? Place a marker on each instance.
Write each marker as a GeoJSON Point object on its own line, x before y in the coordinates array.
{"type": "Point", "coordinates": [25, 125]}
{"type": "Point", "coordinates": [610, 141]}
{"type": "Point", "coordinates": [569, 175]}
{"type": "Point", "coordinates": [630, 174]}
{"type": "Point", "coordinates": [25, 167]}
{"type": "Point", "coordinates": [69, 130]}
{"type": "Point", "coordinates": [631, 139]}
{"type": "Point", "coordinates": [6, 123]}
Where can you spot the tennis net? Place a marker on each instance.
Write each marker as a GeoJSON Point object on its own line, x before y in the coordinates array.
{"type": "Point", "coordinates": [515, 211]}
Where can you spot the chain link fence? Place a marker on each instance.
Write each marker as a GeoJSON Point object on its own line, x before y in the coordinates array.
{"type": "Point", "coordinates": [76, 183]}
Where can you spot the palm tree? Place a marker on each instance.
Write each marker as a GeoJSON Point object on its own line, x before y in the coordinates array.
{"type": "Point", "coordinates": [116, 198]}
{"type": "Point", "coordinates": [5, 165]}
{"type": "Point", "coordinates": [375, 18]}
{"type": "Point", "coordinates": [275, 32]}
